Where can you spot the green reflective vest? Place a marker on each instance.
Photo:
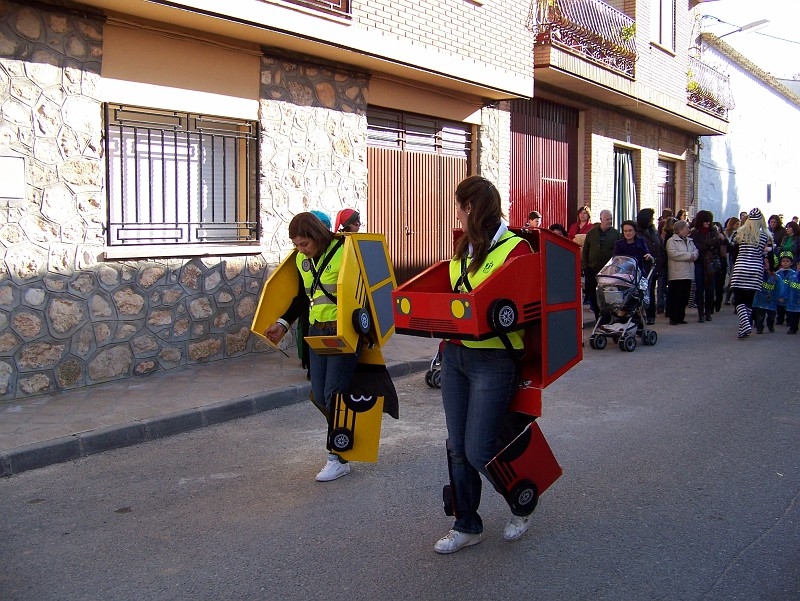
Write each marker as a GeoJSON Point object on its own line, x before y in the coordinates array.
{"type": "Point", "coordinates": [316, 284]}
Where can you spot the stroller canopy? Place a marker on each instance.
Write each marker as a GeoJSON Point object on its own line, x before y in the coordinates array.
{"type": "Point", "coordinates": [620, 269]}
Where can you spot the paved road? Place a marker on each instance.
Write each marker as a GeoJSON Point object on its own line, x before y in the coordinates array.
{"type": "Point", "coordinates": [681, 478]}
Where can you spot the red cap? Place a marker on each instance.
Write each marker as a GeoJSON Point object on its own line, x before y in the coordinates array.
{"type": "Point", "coordinates": [344, 218]}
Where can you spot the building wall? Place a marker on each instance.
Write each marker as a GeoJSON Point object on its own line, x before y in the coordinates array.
{"type": "Point", "coordinates": [313, 144]}
{"type": "Point", "coordinates": [760, 150]}
{"type": "Point", "coordinates": [493, 33]}
{"type": "Point", "coordinates": [494, 149]}
{"type": "Point", "coordinates": [70, 318]}
{"type": "Point", "coordinates": [74, 312]}
{"type": "Point", "coordinates": [607, 129]}
{"type": "Point", "coordinates": [661, 73]}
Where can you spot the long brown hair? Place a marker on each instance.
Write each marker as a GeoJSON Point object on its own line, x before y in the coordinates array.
{"type": "Point", "coordinates": [309, 225]}
{"type": "Point", "coordinates": [483, 218]}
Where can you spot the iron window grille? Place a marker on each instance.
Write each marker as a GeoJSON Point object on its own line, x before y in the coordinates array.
{"type": "Point", "coordinates": [340, 7]}
{"type": "Point", "coordinates": [665, 193]}
{"type": "Point", "coordinates": [179, 178]}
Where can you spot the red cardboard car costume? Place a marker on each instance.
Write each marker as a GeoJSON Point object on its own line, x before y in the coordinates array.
{"type": "Point", "coordinates": [539, 293]}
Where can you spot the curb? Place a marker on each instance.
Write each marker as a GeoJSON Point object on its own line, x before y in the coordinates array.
{"type": "Point", "coordinates": [83, 444]}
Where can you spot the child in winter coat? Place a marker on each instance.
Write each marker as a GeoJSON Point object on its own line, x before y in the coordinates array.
{"type": "Point", "coordinates": [765, 302]}
{"type": "Point", "coordinates": [789, 293]}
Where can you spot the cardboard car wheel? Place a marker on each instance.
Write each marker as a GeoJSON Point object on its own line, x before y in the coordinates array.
{"type": "Point", "coordinates": [447, 500]}
{"type": "Point", "coordinates": [502, 315]}
{"type": "Point", "coordinates": [362, 321]}
{"type": "Point", "coordinates": [341, 439]}
{"type": "Point", "coordinates": [600, 342]}
{"type": "Point", "coordinates": [524, 497]}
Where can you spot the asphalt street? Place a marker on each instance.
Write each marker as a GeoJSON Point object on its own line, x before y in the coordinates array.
{"type": "Point", "coordinates": [681, 477]}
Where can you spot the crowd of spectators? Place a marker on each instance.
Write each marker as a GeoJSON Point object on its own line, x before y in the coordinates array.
{"type": "Point", "coordinates": [749, 262]}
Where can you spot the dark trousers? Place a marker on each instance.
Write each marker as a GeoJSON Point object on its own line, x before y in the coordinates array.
{"type": "Point", "coordinates": [719, 287]}
{"type": "Point", "coordinates": [759, 315]}
{"type": "Point", "coordinates": [650, 312]}
{"type": "Point", "coordinates": [677, 299]}
{"type": "Point", "coordinates": [703, 293]}
{"type": "Point", "coordinates": [590, 286]}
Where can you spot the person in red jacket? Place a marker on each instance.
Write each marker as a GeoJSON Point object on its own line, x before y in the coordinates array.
{"type": "Point", "coordinates": [583, 225]}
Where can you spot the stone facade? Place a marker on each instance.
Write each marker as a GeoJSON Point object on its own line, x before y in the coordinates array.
{"type": "Point", "coordinates": [313, 143]}
{"type": "Point", "coordinates": [68, 318]}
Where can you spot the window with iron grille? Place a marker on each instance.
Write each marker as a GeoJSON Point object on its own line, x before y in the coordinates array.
{"type": "Point", "coordinates": [179, 178]}
{"type": "Point", "coordinates": [665, 180]}
{"type": "Point", "coordinates": [393, 129]}
{"type": "Point", "coordinates": [342, 7]}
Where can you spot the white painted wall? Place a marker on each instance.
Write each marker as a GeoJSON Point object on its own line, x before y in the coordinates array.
{"type": "Point", "coordinates": [761, 149]}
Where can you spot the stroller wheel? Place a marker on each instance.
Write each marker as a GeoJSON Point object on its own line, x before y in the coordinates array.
{"type": "Point", "coordinates": [627, 343]}
{"type": "Point", "coordinates": [436, 378]}
{"type": "Point", "coordinates": [600, 342]}
{"type": "Point", "coordinates": [429, 378]}
{"type": "Point", "coordinates": [652, 337]}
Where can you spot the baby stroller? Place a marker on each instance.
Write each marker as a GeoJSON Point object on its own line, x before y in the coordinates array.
{"type": "Point", "coordinates": [433, 377]}
{"type": "Point", "coordinates": [622, 297]}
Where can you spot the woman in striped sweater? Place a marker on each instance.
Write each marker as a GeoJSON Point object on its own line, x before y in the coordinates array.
{"type": "Point", "coordinates": [754, 243]}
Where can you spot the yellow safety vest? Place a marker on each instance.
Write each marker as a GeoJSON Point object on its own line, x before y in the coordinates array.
{"type": "Point", "coordinates": [496, 257]}
{"type": "Point", "coordinates": [316, 284]}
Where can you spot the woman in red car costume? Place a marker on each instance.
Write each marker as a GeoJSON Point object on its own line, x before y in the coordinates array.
{"type": "Point", "coordinates": [479, 379]}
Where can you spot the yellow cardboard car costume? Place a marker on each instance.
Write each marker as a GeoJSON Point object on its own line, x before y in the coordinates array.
{"type": "Point", "coordinates": [365, 319]}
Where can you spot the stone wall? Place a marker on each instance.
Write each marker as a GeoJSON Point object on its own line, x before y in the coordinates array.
{"type": "Point", "coordinates": [68, 318]}
{"type": "Point", "coordinates": [494, 149]}
{"type": "Point", "coordinates": [313, 151]}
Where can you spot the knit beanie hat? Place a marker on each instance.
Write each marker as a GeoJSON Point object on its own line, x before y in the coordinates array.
{"type": "Point", "coordinates": [755, 214]}
{"type": "Point", "coordinates": [322, 217]}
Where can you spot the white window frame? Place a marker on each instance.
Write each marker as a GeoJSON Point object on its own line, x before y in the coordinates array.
{"type": "Point", "coordinates": [179, 179]}
{"type": "Point", "coordinates": [663, 16]}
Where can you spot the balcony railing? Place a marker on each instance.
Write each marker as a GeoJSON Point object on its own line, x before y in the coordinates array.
{"type": "Point", "coordinates": [708, 89]}
{"type": "Point", "coordinates": [590, 28]}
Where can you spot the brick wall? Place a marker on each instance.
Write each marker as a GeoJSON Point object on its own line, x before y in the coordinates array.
{"type": "Point", "coordinates": [493, 33]}
{"type": "Point", "coordinates": [664, 72]}
{"type": "Point", "coordinates": [649, 142]}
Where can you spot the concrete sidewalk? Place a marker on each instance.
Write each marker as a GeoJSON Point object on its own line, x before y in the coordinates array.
{"type": "Point", "coordinates": [53, 428]}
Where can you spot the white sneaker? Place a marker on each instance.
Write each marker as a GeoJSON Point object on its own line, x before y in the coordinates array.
{"type": "Point", "coordinates": [455, 540]}
{"type": "Point", "coordinates": [516, 527]}
{"type": "Point", "coordinates": [332, 470]}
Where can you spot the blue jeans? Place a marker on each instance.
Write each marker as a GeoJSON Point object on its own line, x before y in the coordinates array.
{"type": "Point", "coordinates": [477, 386]}
{"type": "Point", "coordinates": [330, 374]}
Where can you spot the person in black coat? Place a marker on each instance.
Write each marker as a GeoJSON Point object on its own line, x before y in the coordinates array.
{"type": "Point", "coordinates": [645, 227]}
{"type": "Point", "coordinates": [708, 240]}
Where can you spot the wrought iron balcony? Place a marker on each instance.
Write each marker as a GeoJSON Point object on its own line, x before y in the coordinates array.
{"type": "Point", "coordinates": [589, 28]}
{"type": "Point", "coordinates": [708, 89]}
